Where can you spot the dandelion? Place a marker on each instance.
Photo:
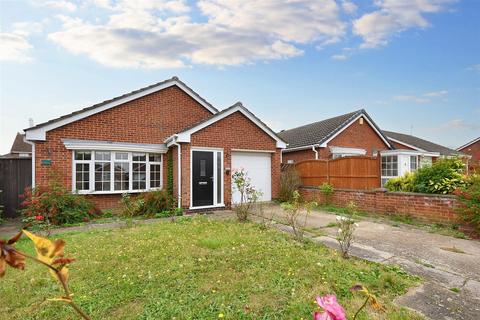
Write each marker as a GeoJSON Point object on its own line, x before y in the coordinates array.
{"type": "Point", "coordinates": [221, 315]}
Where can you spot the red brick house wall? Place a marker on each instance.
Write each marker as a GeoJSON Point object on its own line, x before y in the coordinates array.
{"type": "Point", "coordinates": [356, 135]}
{"type": "Point", "coordinates": [233, 132]}
{"type": "Point", "coordinates": [149, 119]}
{"type": "Point", "coordinates": [473, 150]}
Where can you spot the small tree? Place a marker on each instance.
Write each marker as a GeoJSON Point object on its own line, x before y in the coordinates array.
{"type": "Point", "coordinates": [248, 194]}
{"type": "Point", "coordinates": [346, 228]}
{"type": "Point", "coordinates": [289, 182]}
{"type": "Point", "coordinates": [296, 210]}
{"type": "Point", "coordinates": [327, 190]}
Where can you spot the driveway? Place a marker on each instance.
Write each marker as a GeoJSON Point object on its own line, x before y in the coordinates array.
{"type": "Point", "coordinates": [450, 266]}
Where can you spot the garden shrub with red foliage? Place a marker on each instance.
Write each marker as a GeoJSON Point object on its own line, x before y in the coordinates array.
{"type": "Point", "coordinates": [469, 196]}
{"type": "Point", "coordinates": [54, 204]}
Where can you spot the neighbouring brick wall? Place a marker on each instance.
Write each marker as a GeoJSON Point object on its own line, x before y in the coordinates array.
{"type": "Point", "coordinates": [298, 156]}
{"type": "Point", "coordinates": [426, 207]}
{"type": "Point", "coordinates": [149, 119]}
{"type": "Point", "coordinates": [473, 150]}
{"type": "Point", "coordinates": [233, 132]}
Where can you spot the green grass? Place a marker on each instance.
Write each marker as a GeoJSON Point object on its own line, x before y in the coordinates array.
{"type": "Point", "coordinates": [198, 269]}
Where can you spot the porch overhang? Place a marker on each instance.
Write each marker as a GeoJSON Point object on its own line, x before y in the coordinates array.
{"type": "Point", "coordinates": [75, 144]}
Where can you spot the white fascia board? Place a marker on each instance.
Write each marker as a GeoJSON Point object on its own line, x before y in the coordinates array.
{"type": "Point", "coordinates": [186, 135]}
{"type": "Point", "coordinates": [409, 152]}
{"type": "Point", "coordinates": [309, 147]}
{"type": "Point", "coordinates": [72, 144]}
{"type": "Point", "coordinates": [406, 144]}
{"type": "Point", "coordinates": [345, 150]}
{"type": "Point", "coordinates": [324, 144]}
{"type": "Point", "coordinates": [468, 144]}
{"type": "Point", "coordinates": [40, 133]}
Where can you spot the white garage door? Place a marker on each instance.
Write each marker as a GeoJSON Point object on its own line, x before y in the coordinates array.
{"type": "Point", "coordinates": [259, 170]}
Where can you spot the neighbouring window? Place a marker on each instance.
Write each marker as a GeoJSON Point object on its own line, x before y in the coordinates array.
{"type": "Point", "coordinates": [389, 168]}
{"type": "Point", "coordinates": [110, 171]}
{"type": "Point", "coordinates": [413, 163]}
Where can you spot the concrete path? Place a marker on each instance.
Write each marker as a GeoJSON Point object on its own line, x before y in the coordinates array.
{"type": "Point", "coordinates": [450, 266]}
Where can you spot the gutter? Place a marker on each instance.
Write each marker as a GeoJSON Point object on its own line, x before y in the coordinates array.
{"type": "Point", "coordinates": [315, 151]}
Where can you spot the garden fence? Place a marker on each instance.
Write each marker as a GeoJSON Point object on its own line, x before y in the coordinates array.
{"type": "Point", "coordinates": [15, 176]}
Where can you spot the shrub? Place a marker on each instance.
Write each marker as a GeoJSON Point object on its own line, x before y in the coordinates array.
{"type": "Point", "coordinates": [403, 183]}
{"type": "Point", "coordinates": [289, 182]}
{"type": "Point", "coordinates": [443, 177]}
{"type": "Point", "coordinates": [147, 203]}
{"type": "Point", "coordinates": [294, 211]}
{"type": "Point", "coordinates": [248, 194]}
{"type": "Point", "coordinates": [327, 190]}
{"type": "Point", "coordinates": [346, 228]}
{"type": "Point", "coordinates": [54, 204]}
{"type": "Point", "coordinates": [469, 196]}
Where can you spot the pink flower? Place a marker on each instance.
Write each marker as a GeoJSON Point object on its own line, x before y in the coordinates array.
{"type": "Point", "coordinates": [333, 311]}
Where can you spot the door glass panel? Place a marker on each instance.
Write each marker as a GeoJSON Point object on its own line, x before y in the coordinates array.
{"type": "Point", "coordinates": [203, 165]}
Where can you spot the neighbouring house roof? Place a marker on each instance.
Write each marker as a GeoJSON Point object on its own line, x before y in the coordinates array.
{"type": "Point", "coordinates": [184, 135]}
{"type": "Point", "coordinates": [469, 144]}
{"type": "Point", "coordinates": [321, 132]}
{"type": "Point", "coordinates": [19, 146]}
{"type": "Point", "coordinates": [420, 144]}
{"type": "Point", "coordinates": [38, 132]}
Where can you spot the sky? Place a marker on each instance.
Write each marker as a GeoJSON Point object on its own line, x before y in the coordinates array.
{"type": "Point", "coordinates": [414, 65]}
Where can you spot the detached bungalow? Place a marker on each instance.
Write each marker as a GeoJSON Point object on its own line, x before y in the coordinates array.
{"type": "Point", "coordinates": [472, 148]}
{"type": "Point", "coordinates": [356, 134]}
{"type": "Point", "coordinates": [124, 145]}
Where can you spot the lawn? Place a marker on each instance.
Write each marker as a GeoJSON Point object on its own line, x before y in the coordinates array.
{"type": "Point", "coordinates": [198, 269]}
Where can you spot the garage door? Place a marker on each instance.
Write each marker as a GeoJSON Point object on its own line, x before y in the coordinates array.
{"type": "Point", "coordinates": [259, 169]}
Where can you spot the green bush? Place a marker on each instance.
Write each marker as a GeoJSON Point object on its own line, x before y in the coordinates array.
{"type": "Point", "coordinates": [289, 182]}
{"type": "Point", "coordinates": [327, 190]}
{"type": "Point", "coordinates": [148, 204]}
{"type": "Point", "coordinates": [403, 183]}
{"type": "Point", "coordinates": [54, 204]}
{"type": "Point", "coordinates": [443, 177]}
{"type": "Point", "coordinates": [469, 196]}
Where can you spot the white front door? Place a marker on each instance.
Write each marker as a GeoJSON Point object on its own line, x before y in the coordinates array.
{"type": "Point", "coordinates": [258, 166]}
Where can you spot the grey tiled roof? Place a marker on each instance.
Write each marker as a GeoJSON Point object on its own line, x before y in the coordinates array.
{"type": "Point", "coordinates": [20, 146]}
{"type": "Point", "coordinates": [421, 143]}
{"type": "Point", "coordinates": [122, 97]}
{"type": "Point", "coordinates": [319, 132]}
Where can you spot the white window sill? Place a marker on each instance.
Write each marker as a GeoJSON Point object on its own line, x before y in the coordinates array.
{"type": "Point", "coordinates": [92, 192]}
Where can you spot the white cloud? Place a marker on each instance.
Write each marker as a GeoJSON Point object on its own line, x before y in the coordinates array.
{"type": "Point", "coordinates": [475, 67]}
{"type": "Point", "coordinates": [58, 4]}
{"type": "Point", "coordinates": [458, 124]}
{"type": "Point", "coordinates": [393, 17]}
{"type": "Point", "coordinates": [423, 98]}
{"type": "Point", "coordinates": [14, 47]}
{"type": "Point", "coordinates": [349, 7]}
{"type": "Point", "coordinates": [162, 34]}
{"type": "Point", "coordinates": [339, 57]}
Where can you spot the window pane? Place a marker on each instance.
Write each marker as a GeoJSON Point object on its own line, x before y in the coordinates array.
{"type": "Point", "coordinates": [155, 157]}
{"type": "Point", "coordinates": [139, 176]}
{"type": "Point", "coordinates": [203, 166]}
{"type": "Point", "coordinates": [83, 155]}
{"type": "Point", "coordinates": [102, 176]}
{"type": "Point", "coordinates": [139, 157]}
{"type": "Point", "coordinates": [121, 156]}
{"type": "Point", "coordinates": [121, 175]}
{"type": "Point", "coordinates": [155, 176]}
{"type": "Point", "coordinates": [102, 155]}
{"type": "Point", "coordinates": [82, 176]}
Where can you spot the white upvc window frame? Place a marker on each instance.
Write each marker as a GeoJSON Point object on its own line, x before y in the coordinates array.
{"type": "Point", "coordinates": [112, 190]}
{"type": "Point", "coordinates": [217, 203]}
{"type": "Point", "coordinates": [385, 178]}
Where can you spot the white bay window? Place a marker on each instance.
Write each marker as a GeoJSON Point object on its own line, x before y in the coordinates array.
{"type": "Point", "coordinates": [116, 171]}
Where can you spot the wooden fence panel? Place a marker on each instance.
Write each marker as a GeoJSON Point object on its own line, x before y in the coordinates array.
{"type": "Point", "coordinates": [15, 176]}
{"type": "Point", "coordinates": [346, 173]}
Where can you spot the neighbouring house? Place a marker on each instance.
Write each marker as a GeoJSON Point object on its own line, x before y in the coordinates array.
{"type": "Point", "coordinates": [356, 134]}
{"type": "Point", "coordinates": [20, 148]}
{"type": "Point", "coordinates": [473, 149]}
{"type": "Point", "coordinates": [125, 145]}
